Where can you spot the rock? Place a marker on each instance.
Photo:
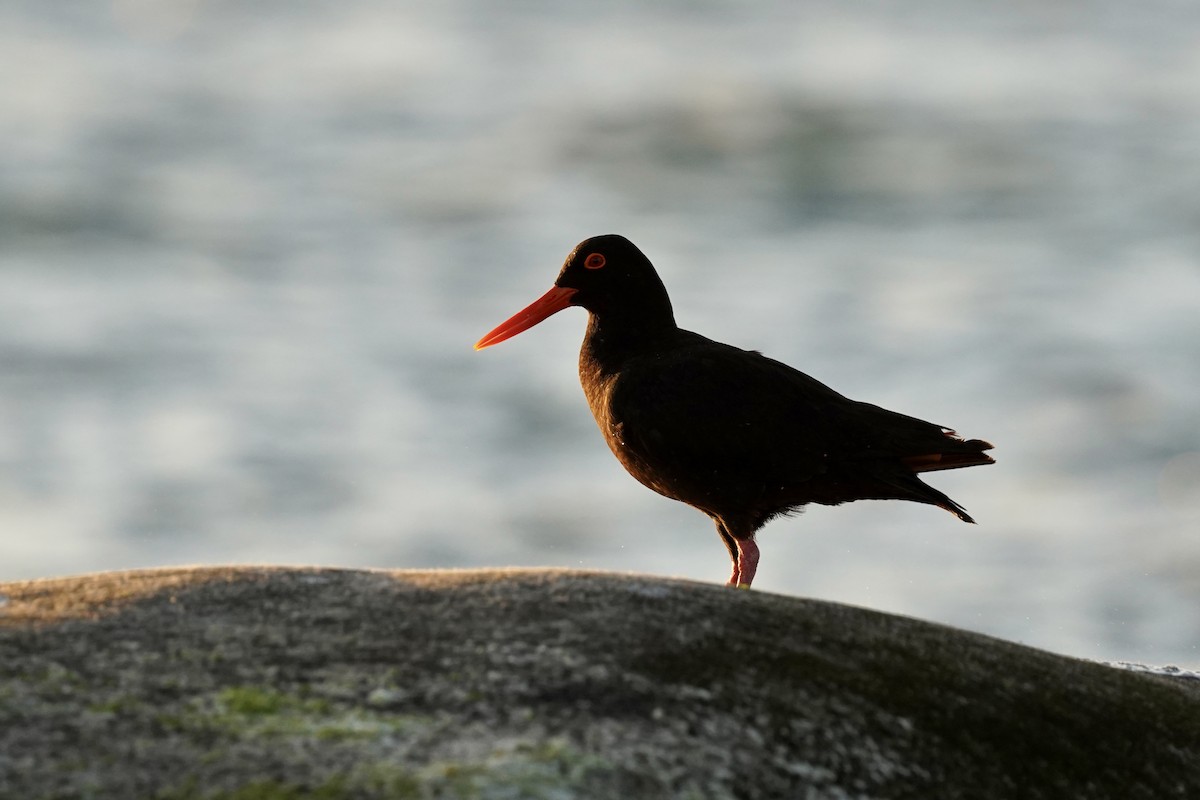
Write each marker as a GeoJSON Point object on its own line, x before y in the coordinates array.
{"type": "Point", "coordinates": [289, 683]}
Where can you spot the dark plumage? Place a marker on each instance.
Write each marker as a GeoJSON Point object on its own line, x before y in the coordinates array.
{"type": "Point", "coordinates": [740, 436]}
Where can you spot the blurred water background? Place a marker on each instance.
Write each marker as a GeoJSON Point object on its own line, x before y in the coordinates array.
{"type": "Point", "coordinates": [246, 245]}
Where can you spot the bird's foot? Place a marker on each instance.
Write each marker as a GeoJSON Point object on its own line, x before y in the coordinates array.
{"type": "Point", "coordinates": [745, 565]}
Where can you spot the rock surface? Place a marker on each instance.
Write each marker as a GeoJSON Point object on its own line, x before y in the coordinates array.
{"type": "Point", "coordinates": [288, 683]}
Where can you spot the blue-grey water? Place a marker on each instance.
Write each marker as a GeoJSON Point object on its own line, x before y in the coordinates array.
{"type": "Point", "coordinates": [245, 248]}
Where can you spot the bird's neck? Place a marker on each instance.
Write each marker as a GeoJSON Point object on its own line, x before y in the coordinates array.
{"type": "Point", "coordinates": [612, 338]}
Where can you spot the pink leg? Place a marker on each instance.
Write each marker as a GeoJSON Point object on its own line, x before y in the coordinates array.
{"type": "Point", "coordinates": [746, 563]}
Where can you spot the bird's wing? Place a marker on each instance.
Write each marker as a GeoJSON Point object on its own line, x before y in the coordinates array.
{"type": "Point", "coordinates": [719, 407]}
{"type": "Point", "coordinates": [715, 409]}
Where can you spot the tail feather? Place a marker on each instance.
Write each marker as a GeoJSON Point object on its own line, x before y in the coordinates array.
{"type": "Point", "coordinates": [916, 490]}
{"type": "Point", "coordinates": [957, 453]}
{"type": "Point", "coordinates": [913, 446]}
{"type": "Point", "coordinates": [953, 454]}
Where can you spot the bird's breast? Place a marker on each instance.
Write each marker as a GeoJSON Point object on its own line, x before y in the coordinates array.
{"type": "Point", "coordinates": [602, 388]}
{"type": "Point", "coordinates": [599, 387]}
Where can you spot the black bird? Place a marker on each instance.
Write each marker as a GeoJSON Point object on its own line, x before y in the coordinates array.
{"type": "Point", "coordinates": [740, 436]}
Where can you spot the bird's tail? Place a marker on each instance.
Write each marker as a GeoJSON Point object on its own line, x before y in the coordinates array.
{"type": "Point", "coordinates": [913, 488]}
{"type": "Point", "coordinates": [952, 453]}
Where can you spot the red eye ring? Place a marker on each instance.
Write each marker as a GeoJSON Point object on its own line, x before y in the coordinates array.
{"type": "Point", "coordinates": [594, 261]}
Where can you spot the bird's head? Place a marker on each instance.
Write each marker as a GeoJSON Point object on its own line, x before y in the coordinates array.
{"type": "Point", "coordinates": [608, 275]}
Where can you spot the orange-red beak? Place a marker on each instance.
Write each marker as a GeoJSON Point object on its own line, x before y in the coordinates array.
{"type": "Point", "coordinates": [551, 302]}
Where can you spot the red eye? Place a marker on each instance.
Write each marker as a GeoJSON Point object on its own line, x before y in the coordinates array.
{"type": "Point", "coordinates": [594, 261]}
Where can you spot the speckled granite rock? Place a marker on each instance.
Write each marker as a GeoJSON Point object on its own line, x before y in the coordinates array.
{"type": "Point", "coordinates": [289, 683]}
